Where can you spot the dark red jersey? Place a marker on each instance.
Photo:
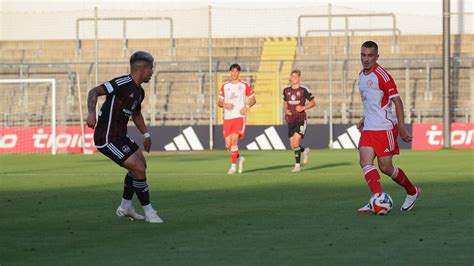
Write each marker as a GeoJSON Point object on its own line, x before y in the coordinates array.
{"type": "Point", "coordinates": [295, 97]}
{"type": "Point", "coordinates": [123, 98]}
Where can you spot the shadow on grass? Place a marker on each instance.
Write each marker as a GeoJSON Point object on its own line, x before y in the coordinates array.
{"type": "Point", "coordinates": [330, 165]}
{"type": "Point", "coordinates": [269, 168]}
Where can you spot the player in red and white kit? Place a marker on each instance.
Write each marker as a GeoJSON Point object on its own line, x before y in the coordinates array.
{"type": "Point", "coordinates": [235, 97]}
{"type": "Point", "coordinates": [379, 127]}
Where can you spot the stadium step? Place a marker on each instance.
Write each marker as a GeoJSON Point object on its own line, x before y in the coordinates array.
{"type": "Point", "coordinates": [270, 80]}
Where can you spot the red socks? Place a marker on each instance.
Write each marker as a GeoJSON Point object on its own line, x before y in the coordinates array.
{"type": "Point", "coordinates": [234, 154]}
{"type": "Point", "coordinates": [400, 178]}
{"type": "Point", "coordinates": [373, 178]}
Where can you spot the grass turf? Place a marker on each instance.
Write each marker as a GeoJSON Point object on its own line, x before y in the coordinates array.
{"type": "Point", "coordinates": [60, 210]}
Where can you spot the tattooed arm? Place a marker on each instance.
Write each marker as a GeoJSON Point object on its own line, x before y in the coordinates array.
{"type": "Point", "coordinates": [91, 104]}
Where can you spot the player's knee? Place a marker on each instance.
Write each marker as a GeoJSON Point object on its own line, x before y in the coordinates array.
{"type": "Point", "coordinates": [295, 145]}
{"type": "Point", "coordinates": [386, 169]}
{"type": "Point", "coordinates": [139, 171]}
{"type": "Point", "coordinates": [364, 163]}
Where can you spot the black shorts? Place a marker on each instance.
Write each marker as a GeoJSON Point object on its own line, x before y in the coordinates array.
{"type": "Point", "coordinates": [120, 149]}
{"type": "Point", "coordinates": [298, 127]}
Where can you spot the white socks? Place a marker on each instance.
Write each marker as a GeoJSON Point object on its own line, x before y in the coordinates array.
{"type": "Point", "coordinates": [126, 204]}
{"type": "Point", "coordinates": [148, 209]}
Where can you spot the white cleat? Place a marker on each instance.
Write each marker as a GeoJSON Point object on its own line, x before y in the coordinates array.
{"type": "Point", "coordinates": [153, 218]}
{"type": "Point", "coordinates": [231, 171]}
{"type": "Point", "coordinates": [306, 155]}
{"type": "Point", "coordinates": [410, 200]}
{"type": "Point", "coordinates": [130, 213]}
{"type": "Point", "coordinates": [241, 164]}
{"type": "Point", "coordinates": [296, 169]}
{"type": "Point", "coordinates": [365, 209]}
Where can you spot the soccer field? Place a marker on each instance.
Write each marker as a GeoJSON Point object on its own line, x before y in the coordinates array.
{"type": "Point", "coordinates": [61, 210]}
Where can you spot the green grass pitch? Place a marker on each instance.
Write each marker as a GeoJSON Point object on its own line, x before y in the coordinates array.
{"type": "Point", "coordinates": [60, 210]}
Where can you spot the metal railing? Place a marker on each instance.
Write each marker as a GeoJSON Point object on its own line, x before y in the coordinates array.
{"type": "Point", "coordinates": [124, 29]}
{"type": "Point", "coordinates": [346, 17]}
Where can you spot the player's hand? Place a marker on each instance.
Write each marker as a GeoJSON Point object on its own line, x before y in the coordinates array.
{"type": "Point", "coordinates": [288, 112]}
{"type": "Point", "coordinates": [228, 106]}
{"type": "Point", "coordinates": [91, 120]}
{"type": "Point", "coordinates": [300, 108]}
{"type": "Point", "coordinates": [147, 144]}
{"type": "Point", "coordinates": [404, 134]}
{"type": "Point", "coordinates": [360, 125]}
{"type": "Point", "coordinates": [244, 110]}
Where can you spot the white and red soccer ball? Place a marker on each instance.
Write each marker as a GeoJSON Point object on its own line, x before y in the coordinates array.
{"type": "Point", "coordinates": [381, 203]}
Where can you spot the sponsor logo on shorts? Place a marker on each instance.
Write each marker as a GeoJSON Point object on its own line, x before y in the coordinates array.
{"type": "Point", "coordinates": [125, 149]}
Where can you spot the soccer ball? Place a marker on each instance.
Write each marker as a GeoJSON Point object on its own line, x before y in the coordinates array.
{"type": "Point", "coordinates": [381, 203]}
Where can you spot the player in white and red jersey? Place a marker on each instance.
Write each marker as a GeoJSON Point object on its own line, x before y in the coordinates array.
{"type": "Point", "coordinates": [235, 97]}
{"type": "Point", "coordinates": [379, 127]}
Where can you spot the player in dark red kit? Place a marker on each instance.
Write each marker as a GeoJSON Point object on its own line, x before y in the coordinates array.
{"type": "Point", "coordinates": [124, 96]}
{"type": "Point", "coordinates": [297, 99]}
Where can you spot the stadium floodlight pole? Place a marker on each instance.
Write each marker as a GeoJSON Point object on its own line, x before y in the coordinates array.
{"type": "Point", "coordinates": [330, 75]}
{"type": "Point", "coordinates": [446, 75]}
{"type": "Point", "coordinates": [211, 90]}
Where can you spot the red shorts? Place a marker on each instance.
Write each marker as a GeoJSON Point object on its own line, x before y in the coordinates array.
{"type": "Point", "coordinates": [384, 142]}
{"type": "Point", "coordinates": [235, 125]}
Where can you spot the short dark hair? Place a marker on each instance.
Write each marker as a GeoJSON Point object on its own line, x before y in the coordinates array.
{"type": "Point", "coordinates": [370, 44]}
{"type": "Point", "coordinates": [141, 56]}
{"type": "Point", "coordinates": [234, 66]}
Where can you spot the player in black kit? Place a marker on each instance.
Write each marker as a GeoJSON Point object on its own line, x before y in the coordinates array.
{"type": "Point", "coordinates": [124, 96]}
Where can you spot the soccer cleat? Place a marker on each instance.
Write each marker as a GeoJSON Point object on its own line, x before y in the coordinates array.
{"type": "Point", "coordinates": [410, 200]}
{"type": "Point", "coordinates": [296, 169]}
{"type": "Point", "coordinates": [130, 213]}
{"type": "Point", "coordinates": [365, 209]}
{"type": "Point", "coordinates": [305, 155]}
{"type": "Point", "coordinates": [241, 164]}
{"type": "Point", "coordinates": [153, 218]}
{"type": "Point", "coordinates": [231, 171]}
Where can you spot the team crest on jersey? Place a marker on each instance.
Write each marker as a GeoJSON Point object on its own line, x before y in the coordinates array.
{"type": "Point", "coordinates": [370, 83]}
{"type": "Point", "coordinates": [241, 88]}
{"type": "Point", "coordinates": [298, 93]}
{"type": "Point", "coordinates": [125, 149]}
